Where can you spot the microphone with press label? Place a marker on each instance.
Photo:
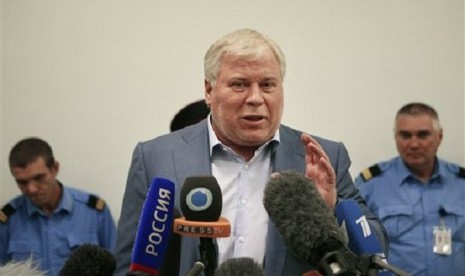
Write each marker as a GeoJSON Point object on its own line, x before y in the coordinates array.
{"type": "Point", "coordinates": [201, 204]}
{"type": "Point", "coordinates": [154, 229]}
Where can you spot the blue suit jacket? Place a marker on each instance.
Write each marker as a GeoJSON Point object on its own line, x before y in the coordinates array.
{"type": "Point", "coordinates": [184, 153]}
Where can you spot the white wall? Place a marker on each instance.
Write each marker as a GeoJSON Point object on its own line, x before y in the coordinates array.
{"type": "Point", "coordinates": [94, 77]}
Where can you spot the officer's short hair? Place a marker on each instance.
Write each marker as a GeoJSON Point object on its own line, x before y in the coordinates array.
{"type": "Point", "coordinates": [28, 150]}
{"type": "Point", "coordinates": [417, 108]}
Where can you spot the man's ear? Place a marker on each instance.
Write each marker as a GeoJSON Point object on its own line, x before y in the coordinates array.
{"type": "Point", "coordinates": [208, 90]}
{"type": "Point", "coordinates": [55, 168]}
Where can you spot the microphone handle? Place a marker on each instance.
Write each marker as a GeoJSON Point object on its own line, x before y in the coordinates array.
{"type": "Point", "coordinates": [208, 255]}
{"type": "Point", "coordinates": [208, 259]}
{"type": "Point", "coordinates": [196, 269]}
{"type": "Point", "coordinates": [383, 265]}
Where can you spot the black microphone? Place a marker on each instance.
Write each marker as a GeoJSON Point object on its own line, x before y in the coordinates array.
{"type": "Point", "coordinates": [171, 260]}
{"type": "Point", "coordinates": [307, 225]}
{"type": "Point", "coordinates": [242, 266]}
{"type": "Point", "coordinates": [89, 260]}
{"type": "Point", "coordinates": [201, 204]}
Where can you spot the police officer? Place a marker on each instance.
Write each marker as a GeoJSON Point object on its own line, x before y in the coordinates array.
{"type": "Point", "coordinates": [49, 219]}
{"type": "Point", "coordinates": [419, 197]}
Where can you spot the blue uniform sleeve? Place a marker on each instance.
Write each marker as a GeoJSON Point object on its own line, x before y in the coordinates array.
{"type": "Point", "coordinates": [107, 230]}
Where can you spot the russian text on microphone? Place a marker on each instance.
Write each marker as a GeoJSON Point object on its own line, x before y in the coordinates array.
{"type": "Point", "coordinates": [160, 216]}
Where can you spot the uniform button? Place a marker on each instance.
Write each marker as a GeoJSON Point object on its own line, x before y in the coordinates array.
{"type": "Point", "coordinates": [241, 239]}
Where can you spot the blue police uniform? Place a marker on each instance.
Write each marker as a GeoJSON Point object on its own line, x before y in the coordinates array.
{"type": "Point", "coordinates": [410, 209]}
{"type": "Point", "coordinates": [80, 218]}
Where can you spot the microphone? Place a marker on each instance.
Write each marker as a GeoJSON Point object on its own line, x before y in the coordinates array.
{"type": "Point", "coordinates": [170, 263]}
{"type": "Point", "coordinates": [201, 204]}
{"type": "Point", "coordinates": [362, 240]}
{"type": "Point", "coordinates": [306, 223]}
{"type": "Point", "coordinates": [309, 228]}
{"type": "Point", "coordinates": [243, 266]}
{"type": "Point", "coordinates": [154, 229]}
{"type": "Point", "coordinates": [89, 260]}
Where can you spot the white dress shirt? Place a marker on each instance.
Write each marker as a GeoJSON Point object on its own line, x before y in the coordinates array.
{"type": "Point", "coordinates": [242, 184]}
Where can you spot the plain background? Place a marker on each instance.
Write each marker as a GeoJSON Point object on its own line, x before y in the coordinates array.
{"type": "Point", "coordinates": [95, 77]}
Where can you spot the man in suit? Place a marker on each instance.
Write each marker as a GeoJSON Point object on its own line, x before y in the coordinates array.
{"type": "Point", "coordinates": [241, 143]}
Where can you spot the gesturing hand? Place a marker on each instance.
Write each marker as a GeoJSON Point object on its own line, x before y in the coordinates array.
{"type": "Point", "coordinates": [319, 169]}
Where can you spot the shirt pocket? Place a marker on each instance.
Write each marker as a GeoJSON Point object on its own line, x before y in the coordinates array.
{"type": "Point", "coordinates": [74, 240]}
{"type": "Point", "coordinates": [455, 220]}
{"type": "Point", "coordinates": [21, 250]}
{"type": "Point", "coordinates": [397, 220]}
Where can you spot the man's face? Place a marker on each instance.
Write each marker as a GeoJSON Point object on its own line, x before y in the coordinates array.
{"type": "Point", "coordinates": [37, 181]}
{"type": "Point", "coordinates": [417, 140]}
{"type": "Point", "coordinates": [247, 101]}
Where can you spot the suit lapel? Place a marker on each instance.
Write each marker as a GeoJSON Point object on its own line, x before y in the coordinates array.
{"type": "Point", "coordinates": [195, 143]}
{"type": "Point", "coordinates": [290, 154]}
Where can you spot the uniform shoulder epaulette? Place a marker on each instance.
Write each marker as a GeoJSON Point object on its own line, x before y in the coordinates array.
{"type": "Point", "coordinates": [96, 202]}
{"type": "Point", "coordinates": [6, 212]}
{"type": "Point", "coordinates": [461, 173]}
{"type": "Point", "coordinates": [370, 172]}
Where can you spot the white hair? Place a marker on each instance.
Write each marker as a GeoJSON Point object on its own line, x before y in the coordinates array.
{"type": "Point", "coordinates": [23, 268]}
